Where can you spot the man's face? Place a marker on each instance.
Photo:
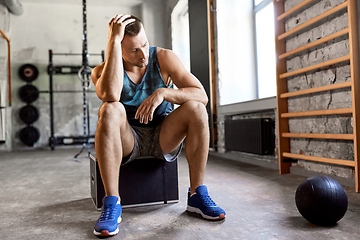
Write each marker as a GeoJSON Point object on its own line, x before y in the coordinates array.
{"type": "Point", "coordinates": [135, 50]}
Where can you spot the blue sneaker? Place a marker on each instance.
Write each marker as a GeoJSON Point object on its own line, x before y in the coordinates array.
{"type": "Point", "coordinates": [201, 203]}
{"type": "Point", "coordinates": [107, 224]}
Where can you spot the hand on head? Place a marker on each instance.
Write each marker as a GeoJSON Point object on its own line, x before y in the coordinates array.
{"type": "Point", "coordinates": [117, 26]}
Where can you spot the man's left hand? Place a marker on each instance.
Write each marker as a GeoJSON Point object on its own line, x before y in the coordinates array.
{"type": "Point", "coordinates": [146, 110]}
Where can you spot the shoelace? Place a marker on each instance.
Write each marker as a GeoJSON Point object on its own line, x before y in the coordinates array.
{"type": "Point", "coordinates": [207, 201]}
{"type": "Point", "coordinates": [108, 213]}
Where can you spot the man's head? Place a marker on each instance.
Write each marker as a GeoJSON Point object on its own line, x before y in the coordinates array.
{"type": "Point", "coordinates": [133, 29]}
{"type": "Point", "coordinates": [135, 45]}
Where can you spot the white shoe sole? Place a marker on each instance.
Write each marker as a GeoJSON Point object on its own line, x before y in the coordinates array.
{"type": "Point", "coordinates": [107, 233]}
{"type": "Point", "coordinates": [198, 211]}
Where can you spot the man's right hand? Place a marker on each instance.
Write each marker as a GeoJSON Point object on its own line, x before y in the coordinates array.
{"type": "Point", "coordinates": [108, 77]}
{"type": "Point", "coordinates": [117, 26]}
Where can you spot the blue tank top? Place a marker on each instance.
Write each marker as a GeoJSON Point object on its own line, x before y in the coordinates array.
{"type": "Point", "coordinates": [132, 95]}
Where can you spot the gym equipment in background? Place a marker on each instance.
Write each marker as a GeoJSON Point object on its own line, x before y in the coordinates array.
{"type": "Point", "coordinates": [321, 200]}
{"type": "Point", "coordinates": [285, 155]}
{"type": "Point", "coordinates": [68, 70]}
{"type": "Point", "coordinates": [28, 72]}
{"type": "Point", "coordinates": [29, 114]}
{"type": "Point", "coordinates": [28, 93]}
{"type": "Point", "coordinates": [83, 72]}
{"type": "Point", "coordinates": [29, 135]}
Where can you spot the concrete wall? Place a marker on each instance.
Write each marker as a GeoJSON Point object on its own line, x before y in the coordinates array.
{"type": "Point", "coordinates": [154, 16]}
{"type": "Point", "coordinates": [57, 26]}
{"type": "Point", "coordinates": [169, 7]}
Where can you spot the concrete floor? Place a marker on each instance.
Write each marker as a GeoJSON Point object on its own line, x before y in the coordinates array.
{"type": "Point", "coordinates": [46, 195]}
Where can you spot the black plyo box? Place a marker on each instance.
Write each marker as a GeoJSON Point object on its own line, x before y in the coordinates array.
{"type": "Point", "coordinates": [145, 181]}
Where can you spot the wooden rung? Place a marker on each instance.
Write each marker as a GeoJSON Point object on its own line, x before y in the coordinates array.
{"type": "Point", "coordinates": [316, 90]}
{"type": "Point", "coordinates": [314, 67]}
{"type": "Point", "coordinates": [297, 7]}
{"type": "Point", "coordinates": [318, 135]}
{"type": "Point", "coordinates": [314, 20]}
{"type": "Point", "coordinates": [317, 113]}
{"type": "Point", "coordinates": [313, 44]}
{"type": "Point", "coordinates": [320, 159]}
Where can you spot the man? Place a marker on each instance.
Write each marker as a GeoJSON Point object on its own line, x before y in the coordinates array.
{"type": "Point", "coordinates": [143, 122]}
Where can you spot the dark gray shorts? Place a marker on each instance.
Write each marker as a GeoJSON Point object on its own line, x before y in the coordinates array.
{"type": "Point", "coordinates": [146, 144]}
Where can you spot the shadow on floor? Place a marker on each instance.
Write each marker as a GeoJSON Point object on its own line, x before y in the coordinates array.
{"type": "Point", "coordinates": [76, 217]}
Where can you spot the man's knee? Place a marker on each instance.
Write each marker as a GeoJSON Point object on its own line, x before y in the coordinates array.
{"type": "Point", "coordinates": [112, 111]}
{"type": "Point", "coordinates": [196, 110]}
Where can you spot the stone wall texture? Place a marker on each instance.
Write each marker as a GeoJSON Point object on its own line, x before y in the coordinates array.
{"type": "Point", "coordinates": [341, 98]}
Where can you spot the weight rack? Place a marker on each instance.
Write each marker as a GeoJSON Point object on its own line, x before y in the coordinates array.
{"type": "Point", "coordinates": [63, 70]}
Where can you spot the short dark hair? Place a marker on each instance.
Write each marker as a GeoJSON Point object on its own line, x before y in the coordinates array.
{"type": "Point", "coordinates": [133, 28]}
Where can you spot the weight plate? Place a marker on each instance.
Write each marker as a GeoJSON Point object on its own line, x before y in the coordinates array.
{"type": "Point", "coordinates": [28, 72]}
{"type": "Point", "coordinates": [29, 93]}
{"type": "Point", "coordinates": [29, 135]}
{"type": "Point", "coordinates": [29, 114]}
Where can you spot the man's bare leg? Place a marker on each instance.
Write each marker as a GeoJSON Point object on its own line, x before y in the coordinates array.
{"type": "Point", "coordinates": [113, 140]}
{"type": "Point", "coordinates": [190, 120]}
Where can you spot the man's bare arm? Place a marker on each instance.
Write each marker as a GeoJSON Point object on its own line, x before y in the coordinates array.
{"type": "Point", "coordinates": [189, 87]}
{"type": "Point", "coordinates": [108, 77]}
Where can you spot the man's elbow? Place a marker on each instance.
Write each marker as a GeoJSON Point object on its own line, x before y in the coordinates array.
{"type": "Point", "coordinates": [205, 100]}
